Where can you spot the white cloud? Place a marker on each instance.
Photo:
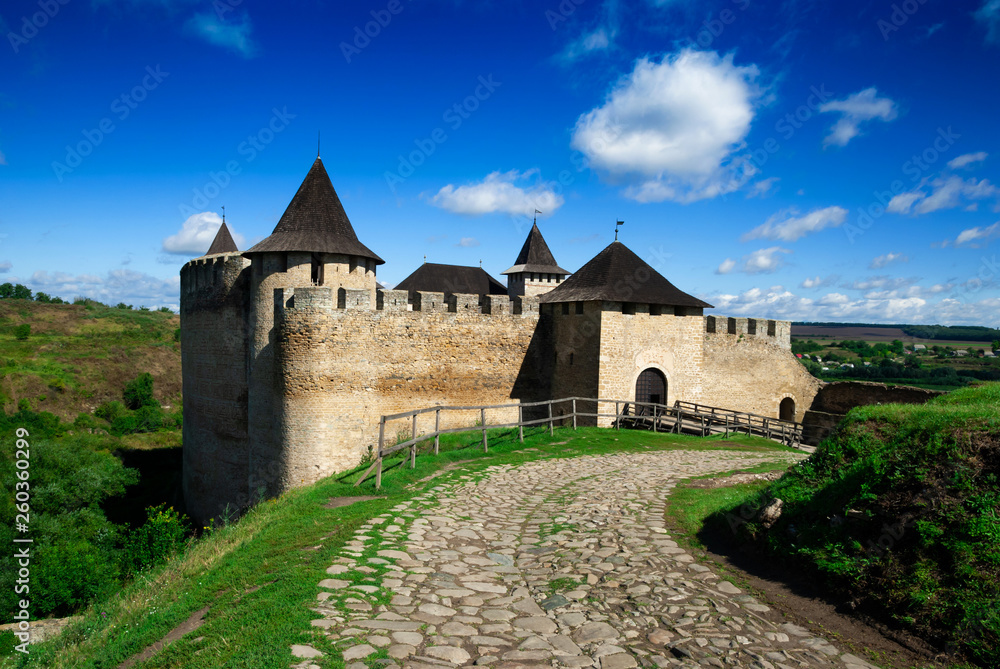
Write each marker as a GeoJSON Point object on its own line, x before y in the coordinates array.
{"type": "Point", "coordinates": [216, 30]}
{"type": "Point", "coordinates": [989, 16]}
{"type": "Point", "coordinates": [967, 159]}
{"type": "Point", "coordinates": [120, 285]}
{"type": "Point", "coordinates": [817, 282]}
{"type": "Point", "coordinates": [944, 193]}
{"type": "Point", "coordinates": [197, 235]}
{"type": "Point", "coordinates": [669, 129]}
{"type": "Point", "coordinates": [887, 259]}
{"type": "Point", "coordinates": [468, 242]}
{"type": "Point", "coordinates": [974, 238]}
{"type": "Point", "coordinates": [598, 40]}
{"type": "Point", "coordinates": [762, 187]}
{"type": "Point", "coordinates": [763, 261]}
{"type": "Point", "coordinates": [5, 266]}
{"type": "Point", "coordinates": [788, 227]}
{"type": "Point", "coordinates": [857, 109]}
{"type": "Point", "coordinates": [498, 193]}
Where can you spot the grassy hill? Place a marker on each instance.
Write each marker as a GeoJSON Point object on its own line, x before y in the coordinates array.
{"type": "Point", "coordinates": [78, 356]}
{"type": "Point", "coordinates": [898, 513]}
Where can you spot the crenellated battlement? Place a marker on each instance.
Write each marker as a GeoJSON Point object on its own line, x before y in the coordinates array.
{"type": "Point", "coordinates": [210, 274]}
{"type": "Point", "coordinates": [773, 331]}
{"type": "Point", "coordinates": [334, 300]}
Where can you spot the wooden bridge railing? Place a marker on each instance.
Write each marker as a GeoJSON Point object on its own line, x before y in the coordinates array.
{"type": "Point", "coordinates": [682, 417]}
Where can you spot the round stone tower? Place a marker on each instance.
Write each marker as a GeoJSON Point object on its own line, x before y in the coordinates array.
{"type": "Point", "coordinates": [314, 244]}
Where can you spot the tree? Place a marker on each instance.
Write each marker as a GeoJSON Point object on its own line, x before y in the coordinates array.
{"type": "Point", "coordinates": [996, 342]}
{"type": "Point", "coordinates": [139, 392]}
{"type": "Point", "coordinates": [43, 298]}
{"type": "Point", "coordinates": [7, 292]}
{"type": "Point", "coordinates": [21, 292]}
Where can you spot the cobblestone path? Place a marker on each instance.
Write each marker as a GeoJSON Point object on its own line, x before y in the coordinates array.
{"type": "Point", "coordinates": [562, 563]}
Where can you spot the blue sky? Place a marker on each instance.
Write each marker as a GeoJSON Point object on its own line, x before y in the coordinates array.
{"type": "Point", "coordinates": [792, 159]}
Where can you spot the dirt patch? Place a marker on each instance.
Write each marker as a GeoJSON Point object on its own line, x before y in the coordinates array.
{"type": "Point", "coordinates": [337, 502]}
{"type": "Point", "coordinates": [196, 620]}
{"type": "Point", "coordinates": [800, 602]}
{"type": "Point", "coordinates": [737, 479]}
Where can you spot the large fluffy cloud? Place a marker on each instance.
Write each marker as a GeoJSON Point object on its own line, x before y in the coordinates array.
{"type": "Point", "coordinates": [669, 129]}
{"type": "Point", "coordinates": [197, 234]}
{"type": "Point", "coordinates": [855, 110]}
{"type": "Point", "coordinates": [788, 226]}
{"type": "Point", "coordinates": [499, 192]}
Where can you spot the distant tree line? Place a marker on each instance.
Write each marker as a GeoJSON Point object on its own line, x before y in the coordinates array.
{"type": "Point", "coordinates": [947, 332]}
{"type": "Point", "coordinates": [12, 291]}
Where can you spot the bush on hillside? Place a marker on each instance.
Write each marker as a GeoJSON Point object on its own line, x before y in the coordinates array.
{"type": "Point", "coordinates": [163, 534]}
{"type": "Point", "coordinates": [111, 411]}
{"type": "Point", "coordinates": [22, 331]}
{"type": "Point", "coordinates": [899, 513]}
{"type": "Point", "coordinates": [138, 392]}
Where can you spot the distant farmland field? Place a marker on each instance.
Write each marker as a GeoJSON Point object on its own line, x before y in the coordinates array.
{"type": "Point", "coordinates": [873, 334]}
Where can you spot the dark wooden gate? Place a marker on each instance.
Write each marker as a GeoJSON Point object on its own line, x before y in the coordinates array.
{"type": "Point", "coordinates": [651, 386]}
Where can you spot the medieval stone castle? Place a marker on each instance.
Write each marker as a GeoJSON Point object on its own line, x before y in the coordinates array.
{"type": "Point", "coordinates": [292, 352]}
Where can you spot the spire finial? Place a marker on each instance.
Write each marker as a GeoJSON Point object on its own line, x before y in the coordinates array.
{"type": "Point", "coordinates": [425, 258]}
{"type": "Point", "coordinates": [535, 222]}
{"type": "Point", "coordinates": [617, 224]}
{"type": "Point", "coordinates": [223, 214]}
{"type": "Point", "coordinates": [318, 138]}
{"type": "Point", "coordinates": [480, 263]}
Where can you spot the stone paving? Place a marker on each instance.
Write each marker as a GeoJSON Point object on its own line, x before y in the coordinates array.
{"type": "Point", "coordinates": [555, 563]}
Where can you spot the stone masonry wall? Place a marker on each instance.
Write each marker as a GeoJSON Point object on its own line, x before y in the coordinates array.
{"type": "Point", "coordinates": [342, 369]}
{"type": "Point", "coordinates": [631, 343]}
{"type": "Point", "coordinates": [749, 367]}
{"type": "Point", "coordinates": [214, 373]}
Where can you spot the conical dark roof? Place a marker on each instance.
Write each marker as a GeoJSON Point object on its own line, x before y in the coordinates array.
{"type": "Point", "coordinates": [535, 256]}
{"type": "Point", "coordinates": [618, 275]}
{"type": "Point", "coordinates": [223, 242]}
{"type": "Point", "coordinates": [436, 278]}
{"type": "Point", "coordinates": [315, 221]}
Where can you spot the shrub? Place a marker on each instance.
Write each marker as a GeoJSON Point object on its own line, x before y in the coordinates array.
{"type": "Point", "coordinates": [156, 540]}
{"type": "Point", "coordinates": [177, 334]}
{"type": "Point", "coordinates": [85, 421]}
{"type": "Point", "coordinates": [138, 392]}
{"type": "Point", "coordinates": [146, 419]}
{"type": "Point", "coordinates": [166, 310]}
{"type": "Point", "coordinates": [22, 331]}
{"type": "Point", "coordinates": [111, 411]}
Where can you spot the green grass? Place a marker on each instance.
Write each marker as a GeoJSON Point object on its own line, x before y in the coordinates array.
{"type": "Point", "coordinates": [282, 548]}
{"type": "Point", "coordinates": [899, 513]}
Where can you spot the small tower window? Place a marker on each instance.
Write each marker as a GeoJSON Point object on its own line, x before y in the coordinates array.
{"type": "Point", "coordinates": [565, 308]}
{"type": "Point", "coordinates": [570, 358]}
{"type": "Point", "coordinates": [317, 269]}
{"type": "Point", "coordinates": [579, 307]}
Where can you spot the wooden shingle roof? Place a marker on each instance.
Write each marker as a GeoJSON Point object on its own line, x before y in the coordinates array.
{"type": "Point", "coordinates": [223, 242]}
{"type": "Point", "coordinates": [535, 256]}
{"type": "Point", "coordinates": [315, 221]}
{"type": "Point", "coordinates": [433, 277]}
{"type": "Point", "coordinates": [616, 274]}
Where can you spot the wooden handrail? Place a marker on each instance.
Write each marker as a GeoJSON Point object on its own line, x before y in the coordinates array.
{"type": "Point", "coordinates": [706, 418]}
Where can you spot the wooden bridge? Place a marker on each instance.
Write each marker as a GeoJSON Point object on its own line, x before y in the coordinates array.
{"type": "Point", "coordinates": [681, 418]}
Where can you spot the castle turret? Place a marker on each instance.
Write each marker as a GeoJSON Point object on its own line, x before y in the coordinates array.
{"type": "Point", "coordinates": [314, 244]}
{"type": "Point", "coordinates": [535, 271]}
{"type": "Point", "coordinates": [223, 242]}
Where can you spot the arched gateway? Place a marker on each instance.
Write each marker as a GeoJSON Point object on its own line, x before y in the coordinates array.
{"type": "Point", "coordinates": [651, 386]}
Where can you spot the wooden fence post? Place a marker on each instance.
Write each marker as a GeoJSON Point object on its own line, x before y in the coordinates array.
{"type": "Point", "coordinates": [482, 419]}
{"type": "Point", "coordinates": [413, 446]}
{"type": "Point", "coordinates": [574, 413]}
{"type": "Point", "coordinates": [520, 423]}
{"type": "Point", "coordinates": [378, 475]}
{"type": "Point", "coordinates": [618, 417]}
{"type": "Point", "coordinates": [437, 431]}
{"type": "Point", "coordinates": [656, 418]}
{"type": "Point", "coordinates": [552, 429]}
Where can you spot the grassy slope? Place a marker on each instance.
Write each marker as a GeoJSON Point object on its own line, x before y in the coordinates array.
{"type": "Point", "coordinates": [80, 356]}
{"type": "Point", "coordinates": [282, 547]}
{"type": "Point", "coordinates": [898, 513]}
